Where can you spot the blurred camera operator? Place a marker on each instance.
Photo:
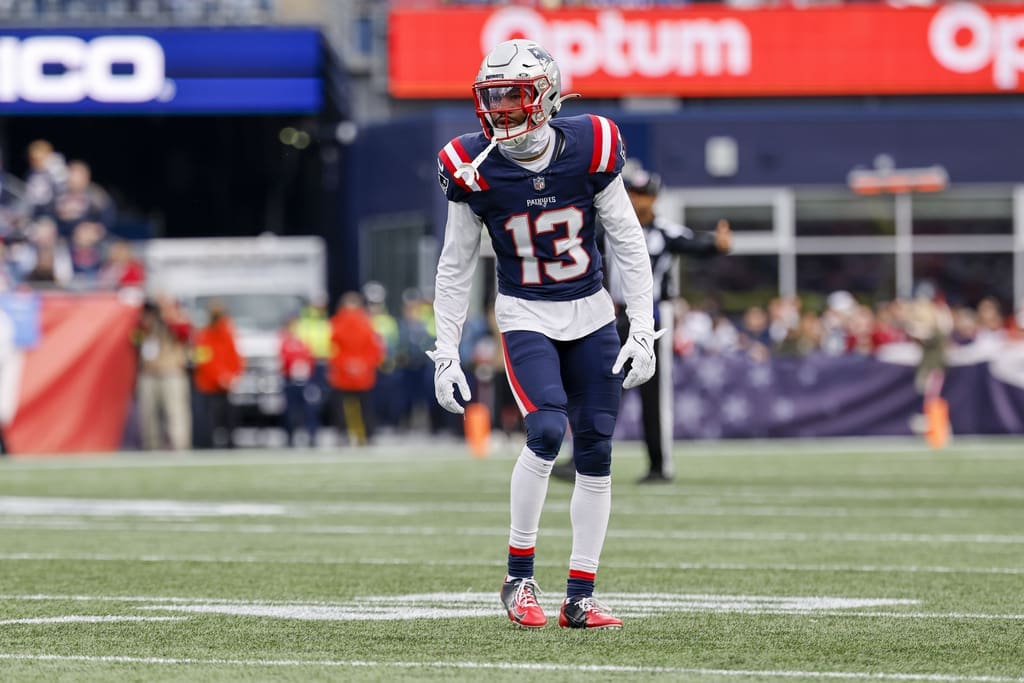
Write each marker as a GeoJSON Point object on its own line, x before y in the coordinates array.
{"type": "Point", "coordinates": [163, 392]}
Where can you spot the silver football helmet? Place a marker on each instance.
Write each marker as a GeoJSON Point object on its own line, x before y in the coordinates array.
{"type": "Point", "coordinates": [517, 90]}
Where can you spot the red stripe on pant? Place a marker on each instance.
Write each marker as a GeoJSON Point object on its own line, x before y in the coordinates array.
{"type": "Point", "coordinates": [527, 404]}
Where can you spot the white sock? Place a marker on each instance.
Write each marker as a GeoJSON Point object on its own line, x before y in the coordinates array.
{"type": "Point", "coordinates": [529, 488]}
{"type": "Point", "coordinates": [589, 510]}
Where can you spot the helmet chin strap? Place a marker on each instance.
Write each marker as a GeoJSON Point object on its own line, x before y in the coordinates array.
{"type": "Point", "coordinates": [468, 171]}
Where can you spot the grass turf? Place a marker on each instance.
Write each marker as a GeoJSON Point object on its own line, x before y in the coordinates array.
{"type": "Point", "coordinates": [291, 565]}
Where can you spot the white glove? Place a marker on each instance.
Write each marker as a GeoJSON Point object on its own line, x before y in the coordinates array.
{"type": "Point", "coordinates": [448, 375]}
{"type": "Point", "coordinates": [639, 350]}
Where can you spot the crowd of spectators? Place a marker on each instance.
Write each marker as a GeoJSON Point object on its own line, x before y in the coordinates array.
{"type": "Point", "coordinates": [105, 11]}
{"type": "Point", "coordinates": [843, 326]}
{"type": "Point", "coordinates": [56, 228]}
{"type": "Point", "coordinates": [786, 327]}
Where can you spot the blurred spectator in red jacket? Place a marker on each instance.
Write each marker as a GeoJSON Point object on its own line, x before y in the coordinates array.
{"type": "Point", "coordinates": [122, 268]}
{"type": "Point", "coordinates": [887, 327]}
{"type": "Point", "coordinates": [217, 367]}
{"type": "Point", "coordinates": [356, 351]}
{"type": "Point", "coordinates": [860, 330]}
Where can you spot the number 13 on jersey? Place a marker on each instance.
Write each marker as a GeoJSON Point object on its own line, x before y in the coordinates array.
{"type": "Point", "coordinates": [570, 260]}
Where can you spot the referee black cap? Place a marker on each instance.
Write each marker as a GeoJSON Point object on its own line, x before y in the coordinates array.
{"type": "Point", "coordinates": [638, 179]}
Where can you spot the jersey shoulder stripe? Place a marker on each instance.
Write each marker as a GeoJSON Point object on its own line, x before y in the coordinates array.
{"type": "Point", "coordinates": [453, 155]}
{"type": "Point", "coordinates": [606, 145]}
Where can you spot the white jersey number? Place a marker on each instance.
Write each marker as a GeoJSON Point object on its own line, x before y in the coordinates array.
{"type": "Point", "coordinates": [570, 219]}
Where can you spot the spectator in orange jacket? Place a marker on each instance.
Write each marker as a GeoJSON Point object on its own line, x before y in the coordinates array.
{"type": "Point", "coordinates": [356, 351]}
{"type": "Point", "coordinates": [217, 366]}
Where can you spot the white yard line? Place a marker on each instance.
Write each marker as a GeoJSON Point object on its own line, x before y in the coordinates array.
{"type": "Point", "coordinates": [411, 530]}
{"type": "Point", "coordinates": [85, 619]}
{"type": "Point", "coordinates": [711, 509]}
{"type": "Point", "coordinates": [500, 562]}
{"type": "Point", "coordinates": [866, 491]}
{"type": "Point", "coordinates": [519, 666]}
{"type": "Point", "coordinates": [17, 507]}
{"type": "Point", "coordinates": [480, 604]}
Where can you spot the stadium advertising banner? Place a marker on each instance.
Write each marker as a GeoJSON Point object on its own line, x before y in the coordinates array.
{"type": "Point", "coordinates": [162, 71]}
{"type": "Point", "coordinates": [71, 390]}
{"type": "Point", "coordinates": [722, 52]}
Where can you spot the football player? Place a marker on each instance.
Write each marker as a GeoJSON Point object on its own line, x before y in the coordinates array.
{"type": "Point", "coordinates": [537, 184]}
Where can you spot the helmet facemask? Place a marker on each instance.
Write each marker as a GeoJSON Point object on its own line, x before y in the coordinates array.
{"type": "Point", "coordinates": [509, 109]}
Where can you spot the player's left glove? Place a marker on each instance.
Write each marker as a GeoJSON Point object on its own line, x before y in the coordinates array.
{"type": "Point", "coordinates": [639, 351]}
{"type": "Point", "coordinates": [448, 375]}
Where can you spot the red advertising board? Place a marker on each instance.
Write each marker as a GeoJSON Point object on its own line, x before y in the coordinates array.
{"type": "Point", "coordinates": [77, 383]}
{"type": "Point", "coordinates": [721, 52]}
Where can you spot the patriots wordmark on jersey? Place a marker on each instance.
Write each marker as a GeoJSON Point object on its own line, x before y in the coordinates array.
{"type": "Point", "coordinates": [541, 223]}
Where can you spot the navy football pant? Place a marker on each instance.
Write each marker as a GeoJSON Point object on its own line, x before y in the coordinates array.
{"type": "Point", "coordinates": [556, 382]}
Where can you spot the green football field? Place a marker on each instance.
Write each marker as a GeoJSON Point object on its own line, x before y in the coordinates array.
{"type": "Point", "coordinates": [844, 560]}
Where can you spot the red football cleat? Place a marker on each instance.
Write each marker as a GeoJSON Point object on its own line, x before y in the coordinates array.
{"type": "Point", "coordinates": [586, 612]}
{"type": "Point", "coordinates": [520, 599]}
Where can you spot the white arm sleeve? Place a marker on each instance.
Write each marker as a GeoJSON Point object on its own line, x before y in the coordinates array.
{"type": "Point", "coordinates": [454, 279]}
{"type": "Point", "coordinates": [628, 251]}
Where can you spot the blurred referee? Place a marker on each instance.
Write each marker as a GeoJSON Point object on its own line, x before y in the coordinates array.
{"type": "Point", "coordinates": [666, 240]}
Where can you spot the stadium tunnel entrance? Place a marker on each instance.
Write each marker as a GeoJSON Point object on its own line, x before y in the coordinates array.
{"type": "Point", "coordinates": [194, 176]}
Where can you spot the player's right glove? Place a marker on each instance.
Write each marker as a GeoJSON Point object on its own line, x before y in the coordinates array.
{"type": "Point", "coordinates": [448, 375]}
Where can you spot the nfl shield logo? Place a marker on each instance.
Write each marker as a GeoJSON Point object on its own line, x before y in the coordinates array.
{"type": "Point", "coordinates": [538, 183]}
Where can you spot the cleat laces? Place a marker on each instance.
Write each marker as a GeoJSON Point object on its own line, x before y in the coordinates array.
{"type": "Point", "coordinates": [595, 606]}
{"type": "Point", "coordinates": [526, 593]}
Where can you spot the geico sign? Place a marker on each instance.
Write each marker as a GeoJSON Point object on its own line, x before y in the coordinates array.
{"type": "Point", "coordinates": [965, 38]}
{"type": "Point", "coordinates": [649, 48]}
{"type": "Point", "coordinates": [69, 69]}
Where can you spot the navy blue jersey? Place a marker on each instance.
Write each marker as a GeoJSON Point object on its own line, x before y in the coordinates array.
{"type": "Point", "coordinates": [541, 223]}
